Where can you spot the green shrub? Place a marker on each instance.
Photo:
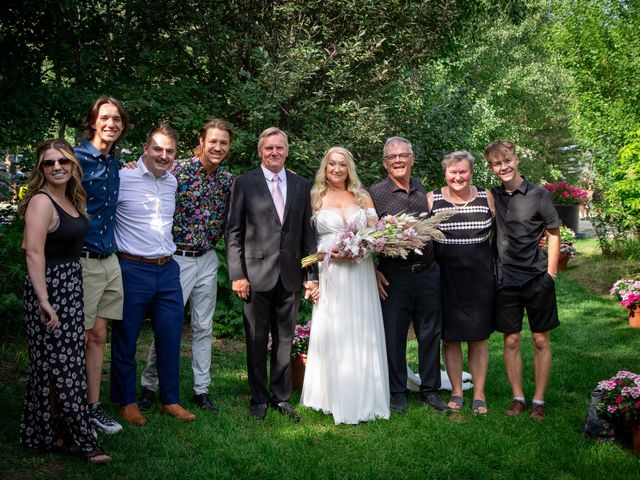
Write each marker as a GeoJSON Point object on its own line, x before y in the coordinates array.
{"type": "Point", "coordinates": [617, 213]}
{"type": "Point", "coordinates": [625, 189]}
{"type": "Point", "coordinates": [12, 272]}
{"type": "Point", "coordinates": [227, 319]}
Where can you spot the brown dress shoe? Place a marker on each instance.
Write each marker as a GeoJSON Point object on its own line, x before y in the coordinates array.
{"type": "Point", "coordinates": [176, 411]}
{"type": "Point", "coordinates": [538, 413]}
{"type": "Point", "coordinates": [131, 414]}
{"type": "Point", "coordinates": [516, 407]}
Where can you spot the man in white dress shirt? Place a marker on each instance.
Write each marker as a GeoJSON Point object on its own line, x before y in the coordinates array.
{"type": "Point", "coordinates": [150, 277]}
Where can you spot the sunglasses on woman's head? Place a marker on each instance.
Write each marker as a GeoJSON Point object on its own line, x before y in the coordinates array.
{"type": "Point", "coordinates": [50, 163]}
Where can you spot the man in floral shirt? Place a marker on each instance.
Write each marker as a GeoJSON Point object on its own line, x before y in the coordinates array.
{"type": "Point", "coordinates": [198, 224]}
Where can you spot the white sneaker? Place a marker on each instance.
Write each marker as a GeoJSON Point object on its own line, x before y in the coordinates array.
{"type": "Point", "coordinates": [102, 420]}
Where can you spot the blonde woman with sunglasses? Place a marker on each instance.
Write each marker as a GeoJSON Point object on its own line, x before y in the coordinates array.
{"type": "Point", "coordinates": [55, 413]}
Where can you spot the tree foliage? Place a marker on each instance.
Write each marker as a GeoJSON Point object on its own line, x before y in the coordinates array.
{"type": "Point", "coordinates": [328, 72]}
{"type": "Point", "coordinates": [298, 65]}
{"type": "Point", "coordinates": [497, 82]}
{"type": "Point", "coordinates": [598, 42]}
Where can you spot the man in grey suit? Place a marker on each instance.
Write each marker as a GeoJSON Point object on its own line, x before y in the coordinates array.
{"type": "Point", "coordinates": [268, 232]}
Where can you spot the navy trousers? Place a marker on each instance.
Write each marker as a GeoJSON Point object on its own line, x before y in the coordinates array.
{"type": "Point", "coordinates": [154, 289]}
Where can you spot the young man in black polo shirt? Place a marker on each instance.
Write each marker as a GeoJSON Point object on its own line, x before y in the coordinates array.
{"type": "Point", "coordinates": [525, 276]}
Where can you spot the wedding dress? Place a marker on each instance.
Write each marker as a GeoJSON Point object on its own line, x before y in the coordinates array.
{"type": "Point", "coordinates": [346, 373]}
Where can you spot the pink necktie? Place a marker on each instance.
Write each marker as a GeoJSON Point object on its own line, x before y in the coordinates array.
{"type": "Point", "coordinates": [276, 193]}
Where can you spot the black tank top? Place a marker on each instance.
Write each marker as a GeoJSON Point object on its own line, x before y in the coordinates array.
{"type": "Point", "coordinates": [65, 242]}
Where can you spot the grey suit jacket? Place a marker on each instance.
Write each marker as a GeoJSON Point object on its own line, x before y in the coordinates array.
{"type": "Point", "coordinates": [259, 247]}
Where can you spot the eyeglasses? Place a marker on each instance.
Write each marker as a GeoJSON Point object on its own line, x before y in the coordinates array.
{"type": "Point", "coordinates": [403, 156]}
{"type": "Point", "coordinates": [48, 163]}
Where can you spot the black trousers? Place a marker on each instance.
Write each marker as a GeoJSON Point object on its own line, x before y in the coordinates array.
{"type": "Point", "coordinates": [274, 311]}
{"type": "Point", "coordinates": [413, 297]}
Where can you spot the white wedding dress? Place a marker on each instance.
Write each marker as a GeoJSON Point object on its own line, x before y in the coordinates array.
{"type": "Point", "coordinates": [346, 373]}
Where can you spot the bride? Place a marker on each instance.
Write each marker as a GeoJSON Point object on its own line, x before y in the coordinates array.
{"type": "Point", "coordinates": [346, 373]}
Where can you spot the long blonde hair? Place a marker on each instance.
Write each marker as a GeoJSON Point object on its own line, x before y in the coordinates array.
{"type": "Point", "coordinates": [73, 191]}
{"type": "Point", "coordinates": [352, 183]}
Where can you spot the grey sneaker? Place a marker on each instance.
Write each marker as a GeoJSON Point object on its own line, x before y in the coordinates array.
{"type": "Point", "coordinates": [102, 420]}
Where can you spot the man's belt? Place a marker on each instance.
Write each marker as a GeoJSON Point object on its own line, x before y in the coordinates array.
{"type": "Point", "coordinates": [94, 256]}
{"type": "Point", "coordinates": [407, 267]}
{"type": "Point", "coordinates": [189, 253]}
{"type": "Point", "coordinates": [151, 261]}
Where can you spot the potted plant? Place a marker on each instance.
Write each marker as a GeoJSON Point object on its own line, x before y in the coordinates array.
{"type": "Point", "coordinates": [299, 349]}
{"type": "Point", "coordinates": [627, 292]}
{"type": "Point", "coordinates": [566, 247]}
{"type": "Point", "coordinates": [620, 403]}
{"type": "Point", "coordinates": [567, 200]}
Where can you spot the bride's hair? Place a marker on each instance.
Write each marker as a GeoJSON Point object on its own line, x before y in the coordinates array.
{"type": "Point", "coordinates": [352, 182]}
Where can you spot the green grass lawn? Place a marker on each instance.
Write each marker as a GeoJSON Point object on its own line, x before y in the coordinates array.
{"type": "Point", "coordinates": [593, 342]}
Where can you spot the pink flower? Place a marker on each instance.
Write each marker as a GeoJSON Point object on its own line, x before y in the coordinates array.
{"type": "Point", "coordinates": [618, 400]}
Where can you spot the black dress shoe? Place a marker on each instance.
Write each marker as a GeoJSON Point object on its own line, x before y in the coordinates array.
{"type": "Point", "coordinates": [259, 411]}
{"type": "Point", "coordinates": [203, 401]}
{"type": "Point", "coordinates": [145, 400]}
{"type": "Point", "coordinates": [284, 407]}
{"type": "Point", "coordinates": [434, 401]}
{"type": "Point", "coordinates": [399, 402]}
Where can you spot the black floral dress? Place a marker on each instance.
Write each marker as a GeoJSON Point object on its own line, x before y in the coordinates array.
{"type": "Point", "coordinates": [55, 406]}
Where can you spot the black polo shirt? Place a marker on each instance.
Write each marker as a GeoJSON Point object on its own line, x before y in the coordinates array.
{"type": "Point", "coordinates": [521, 219]}
{"type": "Point", "coordinates": [390, 199]}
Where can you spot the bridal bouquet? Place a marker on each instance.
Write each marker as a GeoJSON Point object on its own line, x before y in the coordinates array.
{"type": "Point", "coordinates": [392, 235]}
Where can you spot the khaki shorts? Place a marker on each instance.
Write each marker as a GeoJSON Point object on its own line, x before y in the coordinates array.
{"type": "Point", "coordinates": [103, 292]}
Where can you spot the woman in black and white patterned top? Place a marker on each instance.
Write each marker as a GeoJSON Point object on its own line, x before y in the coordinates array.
{"type": "Point", "coordinates": [466, 273]}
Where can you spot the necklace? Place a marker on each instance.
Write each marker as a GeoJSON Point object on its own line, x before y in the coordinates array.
{"type": "Point", "coordinates": [459, 206]}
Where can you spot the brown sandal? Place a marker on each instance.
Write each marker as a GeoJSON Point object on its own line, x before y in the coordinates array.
{"type": "Point", "coordinates": [455, 403]}
{"type": "Point", "coordinates": [98, 457]}
{"type": "Point", "coordinates": [65, 447]}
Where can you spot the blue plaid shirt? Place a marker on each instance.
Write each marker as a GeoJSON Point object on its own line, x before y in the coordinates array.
{"type": "Point", "coordinates": [102, 183]}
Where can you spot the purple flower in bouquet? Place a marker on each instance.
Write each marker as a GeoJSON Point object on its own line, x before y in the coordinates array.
{"type": "Point", "coordinates": [379, 244]}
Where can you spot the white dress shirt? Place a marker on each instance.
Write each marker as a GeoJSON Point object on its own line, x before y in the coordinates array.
{"type": "Point", "coordinates": [144, 213]}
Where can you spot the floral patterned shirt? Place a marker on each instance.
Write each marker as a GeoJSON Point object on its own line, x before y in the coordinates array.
{"type": "Point", "coordinates": [201, 202]}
